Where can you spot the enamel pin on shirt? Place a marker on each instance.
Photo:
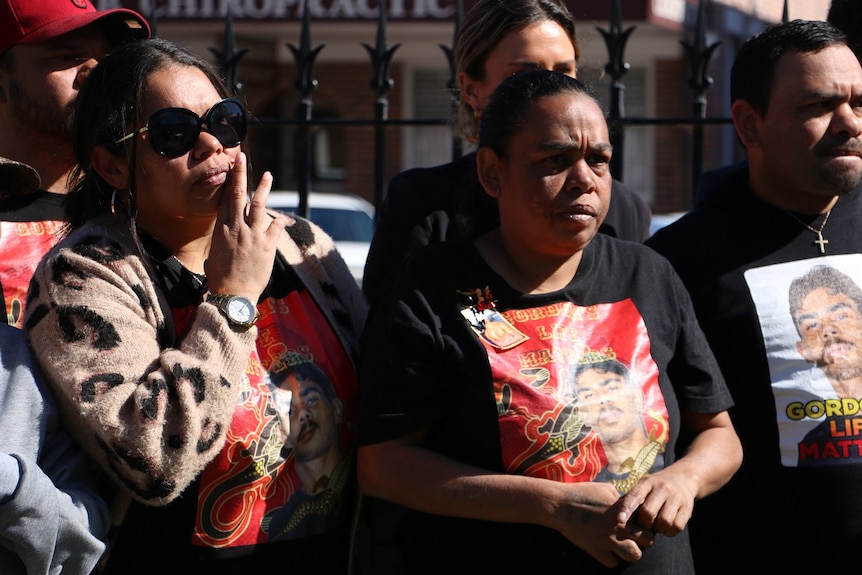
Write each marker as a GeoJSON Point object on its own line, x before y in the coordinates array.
{"type": "Point", "coordinates": [488, 323]}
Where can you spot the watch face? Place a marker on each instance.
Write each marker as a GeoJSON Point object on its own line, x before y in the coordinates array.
{"type": "Point", "coordinates": [240, 310]}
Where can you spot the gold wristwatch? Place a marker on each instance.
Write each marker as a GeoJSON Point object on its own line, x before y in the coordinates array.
{"type": "Point", "coordinates": [238, 310]}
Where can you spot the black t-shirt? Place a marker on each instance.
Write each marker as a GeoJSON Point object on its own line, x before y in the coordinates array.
{"type": "Point", "coordinates": [504, 402]}
{"type": "Point", "coordinates": [736, 255]}
{"type": "Point", "coordinates": [36, 207]}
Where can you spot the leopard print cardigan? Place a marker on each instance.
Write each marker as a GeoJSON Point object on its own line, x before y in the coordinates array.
{"type": "Point", "coordinates": [154, 414]}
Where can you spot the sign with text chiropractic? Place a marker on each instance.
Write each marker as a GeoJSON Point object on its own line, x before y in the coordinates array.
{"type": "Point", "coordinates": [288, 10]}
{"type": "Point", "coordinates": [663, 12]}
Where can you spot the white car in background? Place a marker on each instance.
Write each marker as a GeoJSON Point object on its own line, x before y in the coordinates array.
{"type": "Point", "coordinates": [659, 221]}
{"type": "Point", "coordinates": [347, 218]}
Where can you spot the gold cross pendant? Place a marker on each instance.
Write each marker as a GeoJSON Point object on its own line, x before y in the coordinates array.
{"type": "Point", "coordinates": [821, 242]}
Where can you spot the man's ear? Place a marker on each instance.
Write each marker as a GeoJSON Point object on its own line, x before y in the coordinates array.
{"type": "Point", "coordinates": [488, 168]}
{"type": "Point", "coordinates": [746, 120]}
{"type": "Point", "coordinates": [114, 169]}
{"type": "Point", "coordinates": [338, 411]}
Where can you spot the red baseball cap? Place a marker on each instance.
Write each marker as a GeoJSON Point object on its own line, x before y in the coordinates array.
{"type": "Point", "coordinates": [37, 21]}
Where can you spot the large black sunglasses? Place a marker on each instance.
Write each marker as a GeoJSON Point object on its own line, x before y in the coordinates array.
{"type": "Point", "coordinates": [174, 131]}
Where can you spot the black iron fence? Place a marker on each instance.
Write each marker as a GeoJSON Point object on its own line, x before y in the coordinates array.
{"type": "Point", "coordinates": [698, 55]}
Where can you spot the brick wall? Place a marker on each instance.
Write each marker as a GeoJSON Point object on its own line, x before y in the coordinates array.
{"type": "Point", "coordinates": [343, 91]}
{"type": "Point", "coordinates": [672, 143]}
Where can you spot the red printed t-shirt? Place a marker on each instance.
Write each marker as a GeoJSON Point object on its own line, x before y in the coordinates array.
{"type": "Point", "coordinates": [543, 430]}
{"type": "Point", "coordinates": [509, 382]}
{"type": "Point", "coordinates": [26, 234]}
{"type": "Point", "coordinates": [254, 477]}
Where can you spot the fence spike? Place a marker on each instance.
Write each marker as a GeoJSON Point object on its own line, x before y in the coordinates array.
{"type": "Point", "coordinates": [228, 58]}
{"type": "Point", "coordinates": [305, 84]}
{"type": "Point", "coordinates": [615, 40]}
{"type": "Point", "coordinates": [381, 56]}
{"type": "Point", "coordinates": [304, 57]}
{"type": "Point", "coordinates": [699, 55]}
{"type": "Point", "coordinates": [381, 59]}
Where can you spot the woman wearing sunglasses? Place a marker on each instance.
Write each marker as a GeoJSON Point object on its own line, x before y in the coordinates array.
{"type": "Point", "coordinates": [164, 318]}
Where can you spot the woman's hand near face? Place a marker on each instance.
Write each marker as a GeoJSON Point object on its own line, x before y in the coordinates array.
{"type": "Point", "coordinates": [245, 237]}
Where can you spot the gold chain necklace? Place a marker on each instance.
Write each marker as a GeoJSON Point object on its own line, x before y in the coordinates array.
{"type": "Point", "coordinates": [820, 240]}
{"type": "Point", "coordinates": [197, 279]}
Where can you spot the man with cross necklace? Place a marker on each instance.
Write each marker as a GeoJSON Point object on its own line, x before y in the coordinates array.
{"type": "Point", "coordinates": [796, 92]}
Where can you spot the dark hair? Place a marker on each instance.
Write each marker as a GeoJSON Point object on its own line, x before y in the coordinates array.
{"type": "Point", "coordinates": [753, 69]}
{"type": "Point", "coordinates": [109, 106]}
{"type": "Point", "coordinates": [488, 22]}
{"type": "Point", "coordinates": [822, 277]}
{"type": "Point", "coordinates": [846, 15]}
{"type": "Point", "coordinates": [308, 371]}
{"type": "Point", "coordinates": [604, 366]}
{"type": "Point", "coordinates": [504, 116]}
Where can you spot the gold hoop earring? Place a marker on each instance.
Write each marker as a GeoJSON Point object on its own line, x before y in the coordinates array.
{"type": "Point", "coordinates": [125, 210]}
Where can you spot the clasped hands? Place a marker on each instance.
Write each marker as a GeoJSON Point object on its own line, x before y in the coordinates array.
{"type": "Point", "coordinates": [612, 528]}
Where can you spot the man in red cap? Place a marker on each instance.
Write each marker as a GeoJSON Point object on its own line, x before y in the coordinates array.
{"type": "Point", "coordinates": [47, 48]}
